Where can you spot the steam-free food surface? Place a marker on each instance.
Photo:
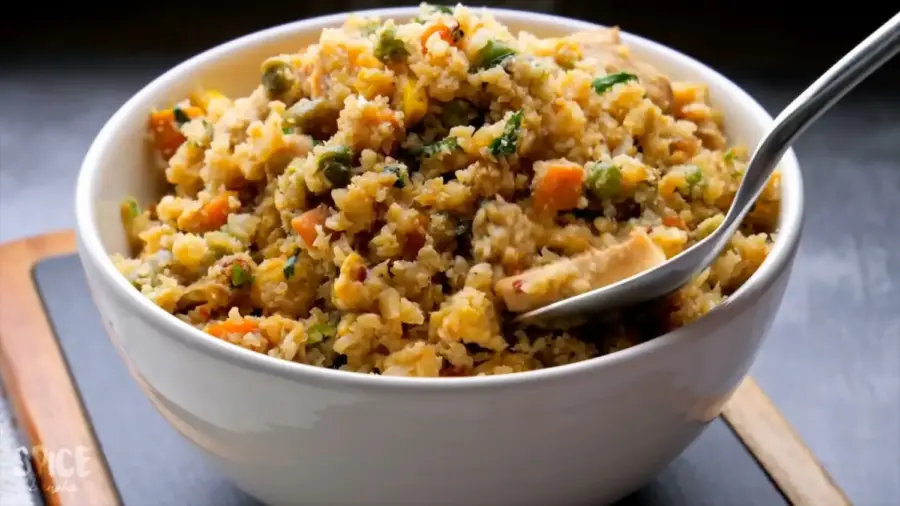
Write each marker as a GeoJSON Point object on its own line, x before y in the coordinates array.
{"type": "Point", "coordinates": [369, 205]}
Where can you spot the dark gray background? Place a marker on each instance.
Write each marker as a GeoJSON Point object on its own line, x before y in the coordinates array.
{"type": "Point", "coordinates": [832, 362]}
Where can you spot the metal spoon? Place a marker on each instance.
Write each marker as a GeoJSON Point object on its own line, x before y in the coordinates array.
{"type": "Point", "coordinates": [843, 76]}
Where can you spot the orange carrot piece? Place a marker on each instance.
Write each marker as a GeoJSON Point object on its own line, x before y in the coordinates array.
{"type": "Point", "coordinates": [377, 115]}
{"type": "Point", "coordinates": [438, 28]}
{"type": "Point", "coordinates": [215, 212]}
{"type": "Point", "coordinates": [167, 135]}
{"type": "Point", "coordinates": [560, 187]}
{"type": "Point", "coordinates": [452, 36]}
{"type": "Point", "coordinates": [305, 224]}
{"type": "Point", "coordinates": [211, 216]}
{"type": "Point", "coordinates": [239, 327]}
{"type": "Point", "coordinates": [674, 221]}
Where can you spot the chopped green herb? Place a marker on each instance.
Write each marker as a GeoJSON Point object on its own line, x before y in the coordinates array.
{"type": "Point", "coordinates": [490, 55]}
{"type": "Point", "coordinates": [181, 117]}
{"type": "Point", "coordinates": [729, 156]}
{"type": "Point", "coordinates": [240, 276]}
{"type": "Point", "coordinates": [508, 141]}
{"type": "Point", "coordinates": [131, 208]}
{"type": "Point", "coordinates": [444, 145]}
{"type": "Point", "coordinates": [603, 179]}
{"type": "Point", "coordinates": [287, 130]}
{"type": "Point", "coordinates": [317, 142]}
{"type": "Point", "coordinates": [389, 48]}
{"type": "Point", "coordinates": [400, 172]}
{"type": "Point", "coordinates": [334, 163]}
{"type": "Point", "coordinates": [443, 9]}
{"type": "Point", "coordinates": [289, 267]}
{"type": "Point", "coordinates": [320, 331]}
{"type": "Point", "coordinates": [605, 83]}
{"type": "Point", "coordinates": [277, 77]}
{"type": "Point", "coordinates": [693, 177]}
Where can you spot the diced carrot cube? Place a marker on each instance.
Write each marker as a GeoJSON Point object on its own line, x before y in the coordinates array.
{"type": "Point", "coordinates": [167, 135]}
{"type": "Point", "coordinates": [239, 327]}
{"type": "Point", "coordinates": [559, 185]}
{"type": "Point", "coordinates": [305, 224]}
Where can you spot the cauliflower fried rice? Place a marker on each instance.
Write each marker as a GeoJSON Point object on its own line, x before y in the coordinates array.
{"type": "Point", "coordinates": [360, 208]}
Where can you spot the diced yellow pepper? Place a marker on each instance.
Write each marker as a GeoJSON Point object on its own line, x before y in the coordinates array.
{"type": "Point", "coordinates": [202, 98]}
{"type": "Point", "coordinates": [371, 82]}
{"type": "Point", "coordinates": [671, 182]}
{"type": "Point", "coordinates": [671, 240]}
{"type": "Point", "coordinates": [634, 174]}
{"type": "Point", "coordinates": [415, 102]}
{"type": "Point", "coordinates": [689, 93]}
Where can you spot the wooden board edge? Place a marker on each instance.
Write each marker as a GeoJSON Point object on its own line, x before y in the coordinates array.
{"type": "Point", "coordinates": [65, 454]}
{"type": "Point", "coordinates": [778, 448]}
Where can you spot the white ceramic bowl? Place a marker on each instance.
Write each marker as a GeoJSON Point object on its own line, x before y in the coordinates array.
{"type": "Point", "coordinates": [587, 433]}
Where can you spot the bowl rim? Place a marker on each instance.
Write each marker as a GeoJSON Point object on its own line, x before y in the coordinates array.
{"type": "Point", "coordinates": [91, 248]}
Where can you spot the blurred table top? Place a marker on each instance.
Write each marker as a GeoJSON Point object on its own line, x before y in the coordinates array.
{"type": "Point", "coordinates": [832, 361]}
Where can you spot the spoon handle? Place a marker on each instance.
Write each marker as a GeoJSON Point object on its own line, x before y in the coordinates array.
{"type": "Point", "coordinates": [843, 76]}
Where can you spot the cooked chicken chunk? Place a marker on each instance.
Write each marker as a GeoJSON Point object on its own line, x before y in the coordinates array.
{"type": "Point", "coordinates": [571, 276]}
{"type": "Point", "coordinates": [606, 46]}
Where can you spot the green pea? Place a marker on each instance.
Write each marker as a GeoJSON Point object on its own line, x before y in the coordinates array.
{"type": "Point", "coordinates": [334, 163]}
{"type": "Point", "coordinates": [277, 78]}
{"type": "Point", "coordinates": [389, 48]}
{"type": "Point", "coordinates": [603, 179]}
{"type": "Point", "coordinates": [304, 113]}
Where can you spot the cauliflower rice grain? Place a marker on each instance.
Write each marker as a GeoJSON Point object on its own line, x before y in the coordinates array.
{"type": "Point", "coordinates": [356, 210]}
